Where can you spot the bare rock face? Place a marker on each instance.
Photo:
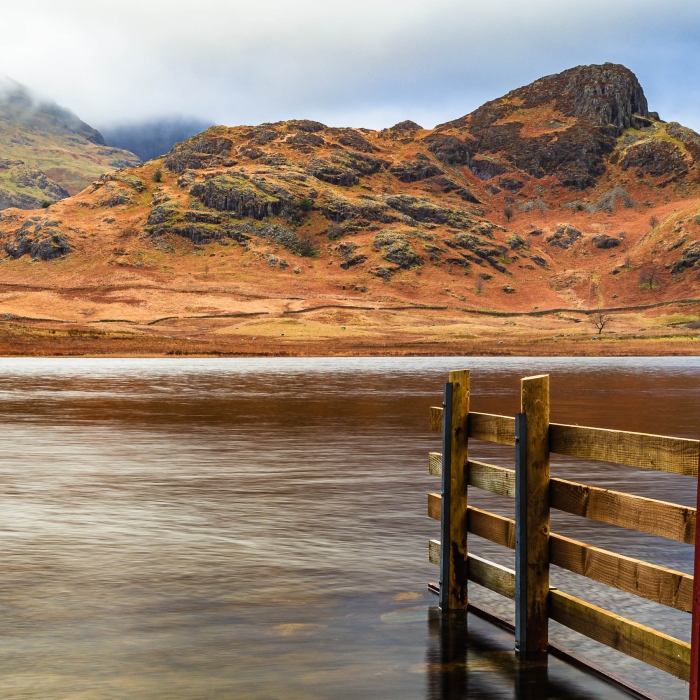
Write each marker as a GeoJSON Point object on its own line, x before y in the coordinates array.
{"type": "Point", "coordinates": [590, 106]}
{"type": "Point", "coordinates": [396, 249]}
{"type": "Point", "coordinates": [655, 158]}
{"type": "Point", "coordinates": [564, 237]}
{"type": "Point", "coordinates": [232, 192]}
{"type": "Point", "coordinates": [40, 239]}
{"type": "Point", "coordinates": [415, 170]}
{"type": "Point", "coordinates": [204, 151]}
{"type": "Point", "coordinates": [605, 241]}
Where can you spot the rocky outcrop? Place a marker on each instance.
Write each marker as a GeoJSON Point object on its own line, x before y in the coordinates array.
{"type": "Point", "coordinates": [419, 168]}
{"type": "Point", "coordinates": [337, 208]}
{"type": "Point", "coordinates": [42, 240]}
{"type": "Point", "coordinates": [447, 185]}
{"type": "Point", "coordinates": [112, 195]}
{"type": "Point", "coordinates": [656, 158]}
{"type": "Point", "coordinates": [590, 107]}
{"type": "Point", "coordinates": [689, 258]}
{"type": "Point", "coordinates": [450, 149]}
{"type": "Point", "coordinates": [480, 251]}
{"type": "Point", "coordinates": [348, 251]}
{"type": "Point", "coordinates": [395, 248]}
{"type": "Point", "coordinates": [426, 211]}
{"type": "Point", "coordinates": [353, 139]}
{"type": "Point", "coordinates": [25, 187]}
{"type": "Point", "coordinates": [487, 168]}
{"type": "Point", "coordinates": [333, 173]}
{"type": "Point", "coordinates": [564, 236]}
{"type": "Point", "coordinates": [689, 138]}
{"type": "Point", "coordinates": [207, 150]}
{"type": "Point", "coordinates": [233, 192]}
{"type": "Point", "coordinates": [604, 241]}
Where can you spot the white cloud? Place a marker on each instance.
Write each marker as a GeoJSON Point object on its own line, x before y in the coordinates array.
{"type": "Point", "coordinates": [366, 63]}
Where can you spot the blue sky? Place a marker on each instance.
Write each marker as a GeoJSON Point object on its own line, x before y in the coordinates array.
{"type": "Point", "coordinates": [364, 63]}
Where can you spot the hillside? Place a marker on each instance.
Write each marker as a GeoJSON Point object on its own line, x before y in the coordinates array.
{"type": "Point", "coordinates": [563, 196]}
{"type": "Point", "coordinates": [46, 152]}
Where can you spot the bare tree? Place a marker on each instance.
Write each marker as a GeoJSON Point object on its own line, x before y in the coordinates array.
{"type": "Point", "coordinates": [653, 221]}
{"type": "Point", "coordinates": [508, 212]}
{"type": "Point", "coordinates": [628, 262]}
{"type": "Point", "coordinates": [649, 276]}
{"type": "Point", "coordinates": [600, 320]}
{"type": "Point", "coordinates": [479, 285]}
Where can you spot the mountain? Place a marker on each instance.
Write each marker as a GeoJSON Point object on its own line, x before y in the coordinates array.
{"type": "Point", "coordinates": [46, 152]}
{"type": "Point", "coordinates": [567, 194]}
{"type": "Point", "coordinates": [151, 139]}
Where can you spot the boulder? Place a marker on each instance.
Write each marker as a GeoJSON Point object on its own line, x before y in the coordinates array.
{"type": "Point", "coordinates": [564, 236]}
{"type": "Point", "coordinates": [605, 241]}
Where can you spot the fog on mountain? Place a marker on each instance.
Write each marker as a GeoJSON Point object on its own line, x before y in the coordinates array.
{"type": "Point", "coordinates": [150, 139]}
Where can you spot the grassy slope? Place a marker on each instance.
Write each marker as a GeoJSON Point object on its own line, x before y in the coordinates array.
{"type": "Point", "coordinates": [120, 275]}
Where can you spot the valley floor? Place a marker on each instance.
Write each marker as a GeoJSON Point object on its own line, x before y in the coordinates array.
{"type": "Point", "coordinates": [342, 326]}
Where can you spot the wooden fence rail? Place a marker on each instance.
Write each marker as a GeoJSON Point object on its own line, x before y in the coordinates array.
{"type": "Point", "coordinates": [535, 493]}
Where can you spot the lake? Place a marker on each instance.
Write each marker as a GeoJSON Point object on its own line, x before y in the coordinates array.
{"type": "Point", "coordinates": [256, 528]}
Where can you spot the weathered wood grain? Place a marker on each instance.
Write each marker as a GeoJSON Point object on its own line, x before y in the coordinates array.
{"type": "Point", "coordinates": [492, 428]}
{"type": "Point", "coordinates": [481, 571]}
{"type": "Point", "coordinates": [532, 536]}
{"type": "Point", "coordinates": [435, 463]}
{"type": "Point", "coordinates": [434, 552]}
{"type": "Point", "coordinates": [493, 576]}
{"type": "Point", "coordinates": [657, 583]}
{"type": "Point", "coordinates": [481, 475]}
{"type": "Point", "coordinates": [669, 454]}
{"type": "Point", "coordinates": [492, 527]}
{"type": "Point", "coordinates": [491, 478]}
{"type": "Point", "coordinates": [435, 506]}
{"type": "Point", "coordinates": [631, 638]}
{"type": "Point", "coordinates": [660, 518]}
{"type": "Point", "coordinates": [435, 419]}
{"type": "Point", "coordinates": [457, 580]}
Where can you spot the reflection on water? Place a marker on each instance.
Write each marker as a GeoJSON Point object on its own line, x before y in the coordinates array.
{"type": "Point", "coordinates": [257, 528]}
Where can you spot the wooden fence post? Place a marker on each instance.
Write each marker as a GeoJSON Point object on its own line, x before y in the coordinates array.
{"type": "Point", "coordinates": [453, 556]}
{"type": "Point", "coordinates": [532, 519]}
{"type": "Point", "coordinates": [694, 691]}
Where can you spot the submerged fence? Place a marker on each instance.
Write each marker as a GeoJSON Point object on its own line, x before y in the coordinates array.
{"type": "Point", "coordinates": [535, 493]}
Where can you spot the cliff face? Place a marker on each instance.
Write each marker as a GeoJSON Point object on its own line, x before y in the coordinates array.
{"type": "Point", "coordinates": [562, 125]}
{"type": "Point", "coordinates": [531, 199]}
{"type": "Point", "coordinates": [46, 152]}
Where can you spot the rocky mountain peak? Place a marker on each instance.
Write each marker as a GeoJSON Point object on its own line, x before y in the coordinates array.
{"type": "Point", "coordinates": [563, 125]}
{"type": "Point", "coordinates": [603, 94]}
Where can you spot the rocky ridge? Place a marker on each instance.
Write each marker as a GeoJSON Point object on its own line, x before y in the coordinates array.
{"type": "Point", "coordinates": [563, 175]}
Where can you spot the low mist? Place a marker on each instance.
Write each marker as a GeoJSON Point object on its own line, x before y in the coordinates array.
{"type": "Point", "coordinates": [152, 138]}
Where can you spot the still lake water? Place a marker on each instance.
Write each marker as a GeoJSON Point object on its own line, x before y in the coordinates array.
{"type": "Point", "coordinates": [252, 528]}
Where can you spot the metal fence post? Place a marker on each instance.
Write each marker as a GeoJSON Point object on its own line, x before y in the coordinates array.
{"type": "Point", "coordinates": [446, 482]}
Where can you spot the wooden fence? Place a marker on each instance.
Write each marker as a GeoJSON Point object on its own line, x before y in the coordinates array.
{"type": "Point", "coordinates": [535, 493]}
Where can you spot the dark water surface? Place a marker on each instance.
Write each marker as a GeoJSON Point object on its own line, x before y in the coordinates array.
{"type": "Point", "coordinates": [257, 528]}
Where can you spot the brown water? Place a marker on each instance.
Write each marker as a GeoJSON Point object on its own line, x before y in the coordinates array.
{"type": "Point", "coordinates": [257, 528]}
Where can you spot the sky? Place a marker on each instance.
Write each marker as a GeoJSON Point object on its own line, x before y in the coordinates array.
{"type": "Point", "coordinates": [366, 63]}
